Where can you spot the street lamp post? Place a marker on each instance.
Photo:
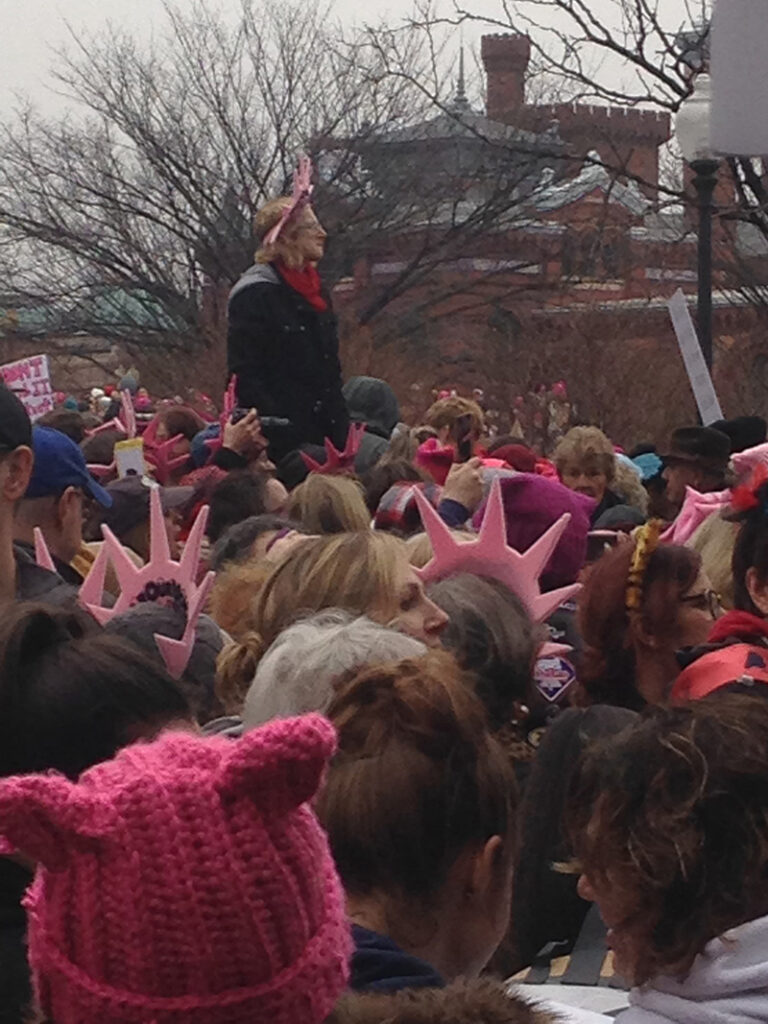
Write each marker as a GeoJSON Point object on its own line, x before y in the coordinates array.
{"type": "Point", "coordinates": [692, 130]}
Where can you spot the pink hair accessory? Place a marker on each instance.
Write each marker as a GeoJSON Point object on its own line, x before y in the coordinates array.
{"type": "Point", "coordinates": [490, 555]}
{"type": "Point", "coordinates": [162, 579]}
{"type": "Point", "coordinates": [302, 194]}
{"type": "Point", "coordinates": [338, 462]}
{"type": "Point", "coordinates": [159, 454]}
{"type": "Point", "coordinates": [696, 508]}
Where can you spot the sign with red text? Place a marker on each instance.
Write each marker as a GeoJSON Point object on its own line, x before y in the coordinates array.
{"type": "Point", "coordinates": [30, 380]}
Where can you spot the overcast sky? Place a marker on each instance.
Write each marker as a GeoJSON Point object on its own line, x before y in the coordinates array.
{"type": "Point", "coordinates": [30, 28]}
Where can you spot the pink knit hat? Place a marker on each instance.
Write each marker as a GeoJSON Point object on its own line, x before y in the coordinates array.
{"type": "Point", "coordinates": [185, 881]}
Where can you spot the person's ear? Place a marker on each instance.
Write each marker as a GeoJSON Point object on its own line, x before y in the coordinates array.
{"type": "Point", "coordinates": [641, 635]}
{"type": "Point", "coordinates": [67, 505]}
{"type": "Point", "coordinates": [487, 866]}
{"type": "Point", "coordinates": [16, 471]}
{"type": "Point", "coordinates": [757, 590]}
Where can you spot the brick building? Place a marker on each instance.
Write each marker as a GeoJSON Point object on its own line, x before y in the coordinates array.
{"type": "Point", "coordinates": [570, 282]}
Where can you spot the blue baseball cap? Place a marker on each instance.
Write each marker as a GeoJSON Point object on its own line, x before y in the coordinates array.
{"type": "Point", "coordinates": [60, 464]}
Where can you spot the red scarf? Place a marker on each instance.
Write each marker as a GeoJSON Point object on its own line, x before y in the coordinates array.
{"type": "Point", "coordinates": [306, 281]}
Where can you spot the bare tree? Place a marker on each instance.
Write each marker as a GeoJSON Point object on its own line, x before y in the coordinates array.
{"type": "Point", "coordinates": [132, 213]}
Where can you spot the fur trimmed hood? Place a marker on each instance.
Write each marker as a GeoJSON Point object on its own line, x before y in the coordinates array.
{"type": "Point", "coordinates": [477, 1002]}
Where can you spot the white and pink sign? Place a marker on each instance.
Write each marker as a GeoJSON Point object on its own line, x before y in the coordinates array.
{"type": "Point", "coordinates": [30, 379]}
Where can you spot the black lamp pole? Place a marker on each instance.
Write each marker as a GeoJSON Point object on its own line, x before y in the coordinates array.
{"type": "Point", "coordinates": [705, 181]}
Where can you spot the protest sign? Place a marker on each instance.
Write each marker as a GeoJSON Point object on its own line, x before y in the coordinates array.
{"type": "Point", "coordinates": [30, 380]}
{"type": "Point", "coordinates": [696, 368]}
{"type": "Point", "coordinates": [739, 119]}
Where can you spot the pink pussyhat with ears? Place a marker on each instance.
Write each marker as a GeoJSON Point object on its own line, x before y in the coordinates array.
{"type": "Point", "coordinates": [187, 881]}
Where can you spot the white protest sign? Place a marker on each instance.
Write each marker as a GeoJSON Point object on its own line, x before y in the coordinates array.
{"type": "Point", "coordinates": [739, 119]}
{"type": "Point", "coordinates": [696, 368]}
{"type": "Point", "coordinates": [30, 380]}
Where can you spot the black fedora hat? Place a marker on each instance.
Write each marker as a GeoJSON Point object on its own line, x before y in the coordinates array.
{"type": "Point", "coordinates": [699, 446]}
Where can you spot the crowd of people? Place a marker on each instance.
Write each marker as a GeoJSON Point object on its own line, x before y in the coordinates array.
{"type": "Point", "coordinates": [313, 716]}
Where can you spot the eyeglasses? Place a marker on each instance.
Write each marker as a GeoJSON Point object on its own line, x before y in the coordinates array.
{"type": "Point", "coordinates": [706, 601]}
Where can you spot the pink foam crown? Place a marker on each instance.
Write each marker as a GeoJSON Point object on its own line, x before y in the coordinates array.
{"type": "Point", "coordinates": [160, 579]}
{"type": "Point", "coordinates": [228, 406]}
{"type": "Point", "coordinates": [125, 422]}
{"type": "Point", "coordinates": [338, 462]}
{"type": "Point", "coordinates": [302, 194]}
{"type": "Point", "coordinates": [491, 556]}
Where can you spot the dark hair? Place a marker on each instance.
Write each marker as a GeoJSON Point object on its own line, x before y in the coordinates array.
{"type": "Point", "coordinates": [416, 780]}
{"type": "Point", "coordinates": [385, 474]}
{"type": "Point", "coordinates": [236, 543]}
{"type": "Point", "coordinates": [237, 497]}
{"type": "Point", "coordinates": [71, 696]}
{"type": "Point", "coordinates": [140, 624]}
{"type": "Point", "coordinates": [492, 636]}
{"type": "Point", "coordinates": [180, 419]}
{"type": "Point", "coordinates": [506, 439]}
{"type": "Point", "coordinates": [99, 449]}
{"type": "Point", "coordinates": [607, 674]}
{"type": "Point", "coordinates": [545, 904]}
{"type": "Point", "coordinates": [751, 552]}
{"type": "Point", "coordinates": [66, 421]}
{"type": "Point", "coordinates": [673, 814]}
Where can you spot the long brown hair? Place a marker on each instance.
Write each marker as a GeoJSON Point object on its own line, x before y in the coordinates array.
{"type": "Point", "coordinates": [417, 779]}
{"type": "Point", "coordinates": [607, 674]}
{"type": "Point", "coordinates": [673, 815]}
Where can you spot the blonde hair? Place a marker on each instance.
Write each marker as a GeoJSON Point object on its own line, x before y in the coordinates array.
{"type": "Point", "coordinates": [446, 411]}
{"type": "Point", "coordinates": [329, 504]}
{"type": "Point", "coordinates": [715, 540]}
{"type": "Point", "coordinates": [233, 594]}
{"type": "Point", "coordinates": [628, 485]}
{"type": "Point", "coordinates": [419, 547]}
{"type": "Point", "coordinates": [586, 444]}
{"type": "Point", "coordinates": [284, 249]}
{"type": "Point", "coordinates": [353, 571]}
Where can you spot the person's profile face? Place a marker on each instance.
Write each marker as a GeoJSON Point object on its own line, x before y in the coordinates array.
{"type": "Point", "coordinates": [310, 236]}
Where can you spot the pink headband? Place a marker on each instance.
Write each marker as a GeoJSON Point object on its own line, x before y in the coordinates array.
{"type": "Point", "coordinates": [302, 194]}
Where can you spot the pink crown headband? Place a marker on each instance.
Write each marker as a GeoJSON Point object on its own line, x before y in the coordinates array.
{"type": "Point", "coordinates": [125, 421]}
{"type": "Point", "coordinates": [696, 508]}
{"type": "Point", "coordinates": [337, 462]}
{"type": "Point", "coordinates": [162, 579]}
{"type": "Point", "coordinates": [491, 556]}
{"type": "Point", "coordinates": [159, 453]}
{"type": "Point", "coordinates": [302, 194]}
{"type": "Point", "coordinates": [228, 406]}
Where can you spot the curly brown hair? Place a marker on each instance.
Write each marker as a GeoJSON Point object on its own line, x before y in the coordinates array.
{"type": "Point", "coordinates": [672, 815]}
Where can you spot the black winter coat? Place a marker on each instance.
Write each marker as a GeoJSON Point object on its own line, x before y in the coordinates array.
{"type": "Point", "coordinates": [286, 357]}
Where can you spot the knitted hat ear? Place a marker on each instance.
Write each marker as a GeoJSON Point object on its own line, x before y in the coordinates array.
{"type": "Point", "coordinates": [280, 765]}
{"type": "Point", "coordinates": [40, 816]}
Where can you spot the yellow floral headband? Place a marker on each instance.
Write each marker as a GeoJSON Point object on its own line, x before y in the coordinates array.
{"type": "Point", "coordinates": [646, 542]}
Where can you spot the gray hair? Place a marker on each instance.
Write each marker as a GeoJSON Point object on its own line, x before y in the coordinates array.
{"type": "Point", "coordinates": [298, 672]}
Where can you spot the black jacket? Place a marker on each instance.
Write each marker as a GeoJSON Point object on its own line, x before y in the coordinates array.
{"type": "Point", "coordinates": [286, 357]}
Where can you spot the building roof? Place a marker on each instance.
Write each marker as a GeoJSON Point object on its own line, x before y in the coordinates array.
{"type": "Point", "coordinates": [554, 195]}
{"type": "Point", "coordinates": [108, 311]}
